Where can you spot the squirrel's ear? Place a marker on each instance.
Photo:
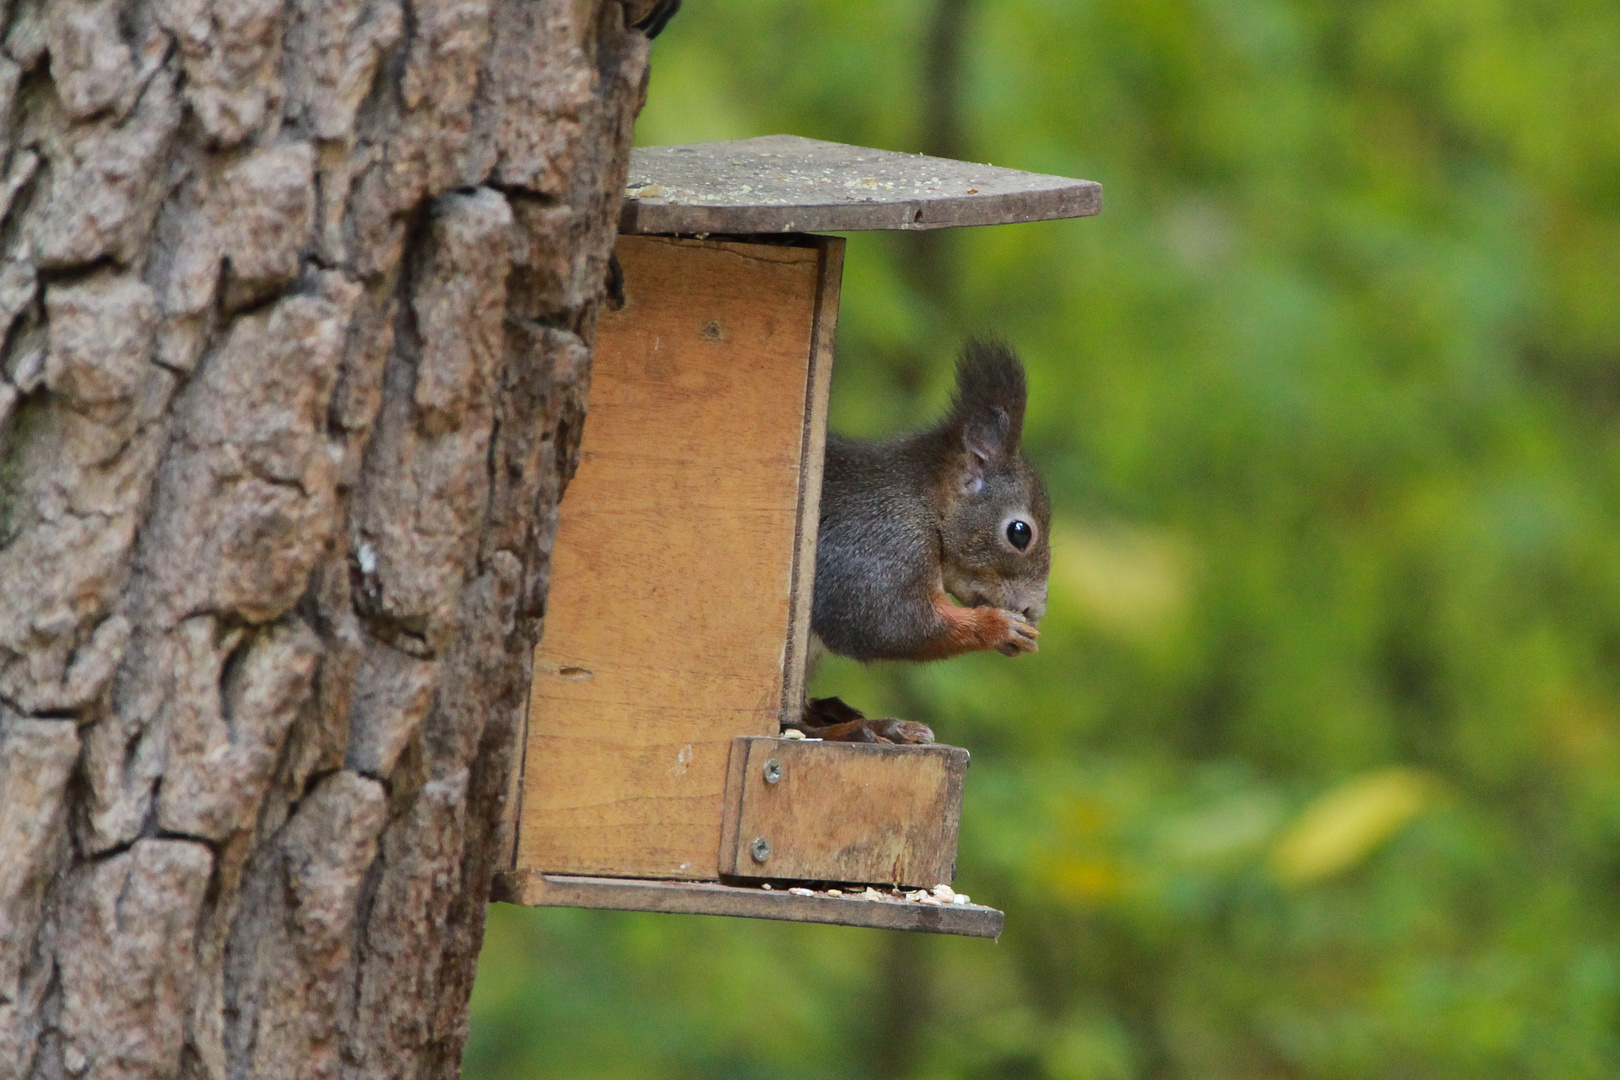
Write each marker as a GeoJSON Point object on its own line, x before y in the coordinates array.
{"type": "Point", "coordinates": [988, 408]}
{"type": "Point", "coordinates": [984, 438]}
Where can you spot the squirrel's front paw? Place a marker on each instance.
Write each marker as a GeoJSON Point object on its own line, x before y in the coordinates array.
{"type": "Point", "coordinates": [907, 732]}
{"type": "Point", "coordinates": [1020, 634]}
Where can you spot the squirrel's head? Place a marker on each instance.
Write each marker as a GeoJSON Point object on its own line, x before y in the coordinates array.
{"type": "Point", "coordinates": [993, 506]}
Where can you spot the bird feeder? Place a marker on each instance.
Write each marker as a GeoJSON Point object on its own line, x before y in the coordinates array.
{"type": "Point", "coordinates": [654, 776]}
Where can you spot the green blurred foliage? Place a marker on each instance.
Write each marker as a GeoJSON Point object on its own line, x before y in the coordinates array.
{"type": "Point", "coordinates": [1317, 772]}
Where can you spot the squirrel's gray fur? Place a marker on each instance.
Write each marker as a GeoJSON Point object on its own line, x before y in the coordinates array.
{"type": "Point", "coordinates": [906, 519]}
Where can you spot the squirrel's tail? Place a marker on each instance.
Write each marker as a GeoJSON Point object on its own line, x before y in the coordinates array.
{"type": "Point", "coordinates": [990, 376]}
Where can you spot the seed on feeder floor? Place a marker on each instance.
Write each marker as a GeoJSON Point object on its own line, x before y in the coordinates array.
{"type": "Point", "coordinates": [802, 892]}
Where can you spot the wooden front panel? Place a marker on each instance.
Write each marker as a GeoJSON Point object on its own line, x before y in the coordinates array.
{"type": "Point", "coordinates": [676, 579]}
{"type": "Point", "coordinates": [807, 810]}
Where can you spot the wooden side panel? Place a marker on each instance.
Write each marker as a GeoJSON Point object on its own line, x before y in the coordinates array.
{"type": "Point", "coordinates": [845, 812]}
{"type": "Point", "coordinates": [672, 579]}
{"type": "Point", "coordinates": [817, 393]}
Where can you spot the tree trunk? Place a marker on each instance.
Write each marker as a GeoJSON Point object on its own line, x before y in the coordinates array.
{"type": "Point", "coordinates": [296, 303]}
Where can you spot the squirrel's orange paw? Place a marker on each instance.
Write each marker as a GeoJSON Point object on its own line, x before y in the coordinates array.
{"type": "Point", "coordinates": [1020, 634]}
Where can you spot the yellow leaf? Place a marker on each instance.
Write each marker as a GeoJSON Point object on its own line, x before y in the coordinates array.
{"type": "Point", "coordinates": [1341, 827]}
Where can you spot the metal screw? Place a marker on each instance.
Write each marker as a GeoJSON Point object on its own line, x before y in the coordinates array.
{"type": "Point", "coordinates": [773, 771]}
{"type": "Point", "coordinates": [760, 849]}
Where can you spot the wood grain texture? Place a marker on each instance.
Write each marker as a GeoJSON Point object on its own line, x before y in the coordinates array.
{"type": "Point", "coordinates": [535, 889]}
{"type": "Point", "coordinates": [785, 184]}
{"type": "Point", "coordinates": [844, 812]}
{"type": "Point", "coordinates": [673, 590]}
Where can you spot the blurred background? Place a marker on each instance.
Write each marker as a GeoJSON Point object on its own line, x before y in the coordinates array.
{"type": "Point", "coordinates": [1317, 772]}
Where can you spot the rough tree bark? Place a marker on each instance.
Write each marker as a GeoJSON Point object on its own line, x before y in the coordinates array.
{"type": "Point", "coordinates": [296, 302]}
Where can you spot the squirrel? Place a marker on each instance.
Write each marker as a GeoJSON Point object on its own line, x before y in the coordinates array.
{"type": "Point", "coordinates": [908, 524]}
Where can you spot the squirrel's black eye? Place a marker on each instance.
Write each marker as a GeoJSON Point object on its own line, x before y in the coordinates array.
{"type": "Point", "coordinates": [1019, 534]}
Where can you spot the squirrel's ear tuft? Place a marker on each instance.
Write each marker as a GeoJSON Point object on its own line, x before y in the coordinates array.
{"type": "Point", "coordinates": [988, 408]}
{"type": "Point", "coordinates": [989, 377]}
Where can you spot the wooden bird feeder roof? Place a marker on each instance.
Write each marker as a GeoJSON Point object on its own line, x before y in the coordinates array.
{"type": "Point", "coordinates": [788, 184]}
